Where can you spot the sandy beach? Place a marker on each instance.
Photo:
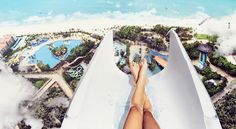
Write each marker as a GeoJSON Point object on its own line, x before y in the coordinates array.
{"type": "Point", "coordinates": [94, 25]}
{"type": "Point", "coordinates": [99, 24]}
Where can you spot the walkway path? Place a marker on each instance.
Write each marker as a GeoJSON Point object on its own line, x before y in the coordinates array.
{"type": "Point", "coordinates": [226, 90]}
{"type": "Point", "coordinates": [230, 87]}
{"type": "Point", "coordinates": [218, 70]}
{"type": "Point", "coordinates": [221, 72]}
{"type": "Point", "coordinates": [44, 88]}
{"type": "Point", "coordinates": [55, 77]}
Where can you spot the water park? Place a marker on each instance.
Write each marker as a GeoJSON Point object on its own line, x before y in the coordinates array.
{"type": "Point", "coordinates": [144, 44]}
{"type": "Point", "coordinates": [59, 63]}
{"type": "Point", "coordinates": [45, 54]}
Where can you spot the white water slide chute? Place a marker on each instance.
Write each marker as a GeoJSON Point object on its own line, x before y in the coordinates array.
{"type": "Point", "coordinates": [179, 98]}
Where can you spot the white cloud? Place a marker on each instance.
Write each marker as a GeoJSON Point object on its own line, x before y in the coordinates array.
{"type": "Point", "coordinates": [58, 101]}
{"type": "Point", "coordinates": [227, 45]}
{"type": "Point", "coordinates": [9, 23]}
{"type": "Point", "coordinates": [34, 123]}
{"type": "Point", "coordinates": [50, 12]}
{"type": "Point", "coordinates": [13, 90]}
{"type": "Point", "coordinates": [227, 37]}
{"type": "Point", "coordinates": [201, 8]}
{"type": "Point", "coordinates": [117, 5]}
{"type": "Point", "coordinates": [36, 19]}
{"type": "Point", "coordinates": [130, 4]}
{"type": "Point", "coordinates": [109, 2]}
{"type": "Point", "coordinates": [58, 18]}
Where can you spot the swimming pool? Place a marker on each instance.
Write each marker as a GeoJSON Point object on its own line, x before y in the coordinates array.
{"type": "Point", "coordinates": [45, 55]}
{"type": "Point", "coordinates": [156, 53]}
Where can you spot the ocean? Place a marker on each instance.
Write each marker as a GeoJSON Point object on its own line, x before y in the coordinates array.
{"type": "Point", "coordinates": [22, 10]}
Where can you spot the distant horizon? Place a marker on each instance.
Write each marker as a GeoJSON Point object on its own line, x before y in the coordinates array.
{"type": "Point", "coordinates": [27, 17]}
{"type": "Point", "coordinates": [30, 12]}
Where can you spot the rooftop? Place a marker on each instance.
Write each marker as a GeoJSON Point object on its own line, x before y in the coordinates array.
{"type": "Point", "coordinates": [204, 48]}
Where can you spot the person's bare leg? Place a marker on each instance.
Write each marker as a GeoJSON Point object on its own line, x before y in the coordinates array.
{"type": "Point", "coordinates": [149, 121]}
{"type": "Point", "coordinates": [135, 117]}
{"type": "Point", "coordinates": [135, 69]}
{"type": "Point", "coordinates": [138, 96]}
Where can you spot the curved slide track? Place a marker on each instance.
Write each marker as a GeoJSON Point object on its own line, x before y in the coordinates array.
{"type": "Point", "coordinates": [179, 98]}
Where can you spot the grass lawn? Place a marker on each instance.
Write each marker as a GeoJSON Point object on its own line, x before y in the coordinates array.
{"type": "Point", "coordinates": [211, 38]}
{"type": "Point", "coordinates": [39, 83]}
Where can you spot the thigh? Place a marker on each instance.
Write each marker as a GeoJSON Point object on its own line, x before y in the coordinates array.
{"type": "Point", "coordinates": [149, 121]}
{"type": "Point", "coordinates": [134, 119]}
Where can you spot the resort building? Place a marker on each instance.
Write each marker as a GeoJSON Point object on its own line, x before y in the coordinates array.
{"type": "Point", "coordinates": [6, 42]}
{"type": "Point", "coordinates": [179, 98]}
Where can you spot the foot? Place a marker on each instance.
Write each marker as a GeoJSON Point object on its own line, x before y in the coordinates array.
{"type": "Point", "coordinates": [135, 69]}
{"type": "Point", "coordinates": [142, 78]}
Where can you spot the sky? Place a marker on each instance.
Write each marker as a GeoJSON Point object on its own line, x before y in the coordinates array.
{"type": "Point", "coordinates": [19, 10]}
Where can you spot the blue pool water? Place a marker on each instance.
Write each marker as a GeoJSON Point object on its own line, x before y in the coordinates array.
{"type": "Point", "coordinates": [45, 55]}
{"type": "Point", "coordinates": [155, 53]}
{"type": "Point", "coordinates": [157, 68]}
{"type": "Point", "coordinates": [20, 10]}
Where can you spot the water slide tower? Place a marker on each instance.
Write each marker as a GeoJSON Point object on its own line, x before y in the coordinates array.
{"type": "Point", "coordinates": [204, 49]}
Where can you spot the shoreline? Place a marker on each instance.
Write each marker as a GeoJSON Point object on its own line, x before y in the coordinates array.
{"type": "Point", "coordinates": [100, 25]}
{"type": "Point", "coordinates": [94, 25]}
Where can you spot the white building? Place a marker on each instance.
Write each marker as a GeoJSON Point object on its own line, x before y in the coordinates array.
{"type": "Point", "coordinates": [179, 98]}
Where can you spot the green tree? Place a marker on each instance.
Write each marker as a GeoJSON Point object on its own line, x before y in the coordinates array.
{"type": "Point", "coordinates": [192, 50]}
{"type": "Point", "coordinates": [161, 30]}
{"type": "Point", "coordinates": [226, 110]}
{"type": "Point", "coordinates": [223, 63]}
{"type": "Point", "coordinates": [129, 32]}
{"type": "Point", "coordinates": [88, 57]}
{"type": "Point", "coordinates": [42, 66]}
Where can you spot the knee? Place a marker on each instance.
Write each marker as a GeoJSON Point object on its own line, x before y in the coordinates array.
{"type": "Point", "coordinates": [136, 108]}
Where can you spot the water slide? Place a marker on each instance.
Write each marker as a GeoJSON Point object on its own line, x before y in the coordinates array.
{"type": "Point", "coordinates": [160, 61]}
{"type": "Point", "coordinates": [179, 98]}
